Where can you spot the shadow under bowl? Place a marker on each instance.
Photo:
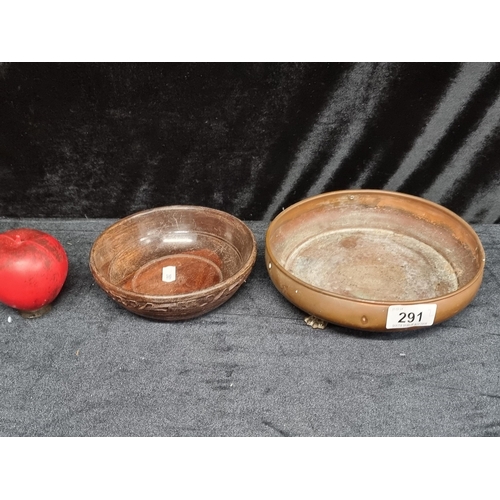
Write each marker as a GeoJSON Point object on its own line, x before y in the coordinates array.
{"type": "Point", "coordinates": [374, 260]}
{"type": "Point", "coordinates": [175, 262]}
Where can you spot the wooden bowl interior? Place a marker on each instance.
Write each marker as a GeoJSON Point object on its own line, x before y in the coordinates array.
{"type": "Point", "coordinates": [172, 250]}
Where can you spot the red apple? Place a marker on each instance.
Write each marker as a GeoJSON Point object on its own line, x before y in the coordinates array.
{"type": "Point", "coordinates": [33, 268]}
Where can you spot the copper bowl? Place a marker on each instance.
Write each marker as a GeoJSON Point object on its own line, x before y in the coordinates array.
{"type": "Point", "coordinates": [175, 262]}
{"type": "Point", "coordinates": [374, 260]}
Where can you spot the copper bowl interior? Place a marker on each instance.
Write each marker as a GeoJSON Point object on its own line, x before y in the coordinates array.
{"type": "Point", "coordinates": [375, 247]}
{"type": "Point", "coordinates": [165, 262]}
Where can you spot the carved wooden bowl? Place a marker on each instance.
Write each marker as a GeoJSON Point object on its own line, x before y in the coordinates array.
{"type": "Point", "coordinates": [175, 262]}
{"type": "Point", "coordinates": [374, 260]}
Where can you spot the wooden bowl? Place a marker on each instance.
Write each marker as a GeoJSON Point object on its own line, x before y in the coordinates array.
{"type": "Point", "coordinates": [374, 260]}
{"type": "Point", "coordinates": [173, 263]}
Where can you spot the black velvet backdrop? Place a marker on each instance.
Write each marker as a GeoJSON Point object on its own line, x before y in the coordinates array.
{"type": "Point", "coordinates": [106, 140]}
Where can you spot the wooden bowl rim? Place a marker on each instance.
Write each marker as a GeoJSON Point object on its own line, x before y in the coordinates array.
{"type": "Point", "coordinates": [244, 270]}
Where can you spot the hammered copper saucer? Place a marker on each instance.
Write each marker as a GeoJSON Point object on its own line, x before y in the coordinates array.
{"type": "Point", "coordinates": [174, 262]}
{"type": "Point", "coordinates": [374, 260]}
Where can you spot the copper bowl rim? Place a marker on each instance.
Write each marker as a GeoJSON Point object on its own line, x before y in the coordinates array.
{"type": "Point", "coordinates": [245, 269]}
{"type": "Point", "coordinates": [466, 225]}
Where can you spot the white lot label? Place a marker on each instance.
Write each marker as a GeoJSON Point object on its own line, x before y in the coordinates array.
{"type": "Point", "coordinates": [410, 316]}
{"type": "Point", "coordinates": [168, 274]}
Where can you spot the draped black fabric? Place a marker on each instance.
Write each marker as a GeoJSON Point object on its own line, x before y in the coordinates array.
{"type": "Point", "coordinates": [109, 139]}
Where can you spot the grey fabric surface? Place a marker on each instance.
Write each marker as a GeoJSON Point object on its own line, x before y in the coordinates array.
{"type": "Point", "coordinates": [250, 368]}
